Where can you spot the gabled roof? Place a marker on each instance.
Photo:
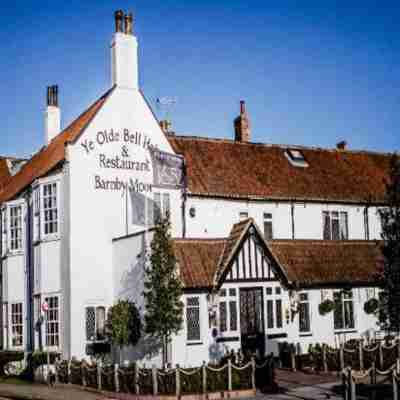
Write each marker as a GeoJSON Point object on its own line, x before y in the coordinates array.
{"type": "Point", "coordinates": [324, 263]}
{"type": "Point", "coordinates": [227, 168]}
{"type": "Point", "coordinates": [51, 155]}
{"type": "Point", "coordinates": [203, 263]}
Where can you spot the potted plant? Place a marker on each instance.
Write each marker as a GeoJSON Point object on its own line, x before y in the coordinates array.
{"type": "Point", "coordinates": [326, 306]}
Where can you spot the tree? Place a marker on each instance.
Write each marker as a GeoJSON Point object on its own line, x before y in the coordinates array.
{"type": "Point", "coordinates": [390, 217]}
{"type": "Point", "coordinates": [124, 326]}
{"type": "Point", "coordinates": [163, 288]}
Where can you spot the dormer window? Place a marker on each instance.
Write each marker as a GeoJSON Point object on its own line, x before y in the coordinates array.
{"type": "Point", "coordinates": [296, 157]}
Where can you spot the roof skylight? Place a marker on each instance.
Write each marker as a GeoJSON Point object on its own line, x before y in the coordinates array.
{"type": "Point", "coordinates": [296, 158]}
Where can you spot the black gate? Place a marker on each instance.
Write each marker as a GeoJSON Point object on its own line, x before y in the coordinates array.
{"type": "Point", "coordinates": [252, 321]}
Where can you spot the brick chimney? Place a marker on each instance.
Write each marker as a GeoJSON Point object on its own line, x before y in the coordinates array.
{"type": "Point", "coordinates": [124, 58]}
{"type": "Point", "coordinates": [242, 125]}
{"type": "Point", "coordinates": [342, 145]}
{"type": "Point", "coordinates": [52, 115]}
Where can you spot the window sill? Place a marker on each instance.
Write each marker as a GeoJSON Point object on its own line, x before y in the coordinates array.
{"type": "Point", "coordinates": [350, 330]}
{"type": "Point", "coordinates": [14, 253]}
{"type": "Point", "coordinates": [47, 239]}
{"type": "Point", "coordinates": [305, 334]}
{"type": "Point", "coordinates": [194, 343]}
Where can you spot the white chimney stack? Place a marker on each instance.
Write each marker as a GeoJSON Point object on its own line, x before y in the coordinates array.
{"type": "Point", "coordinates": [124, 58]}
{"type": "Point", "coordinates": [52, 115]}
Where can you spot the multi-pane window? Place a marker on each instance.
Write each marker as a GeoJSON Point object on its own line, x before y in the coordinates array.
{"type": "Point", "coordinates": [304, 313]}
{"type": "Point", "coordinates": [268, 233]}
{"type": "Point", "coordinates": [52, 322]}
{"type": "Point", "coordinates": [343, 315]}
{"type": "Point", "coordinates": [17, 326]}
{"type": "Point", "coordinates": [50, 208]}
{"type": "Point", "coordinates": [4, 231]}
{"type": "Point", "coordinates": [274, 307]}
{"type": "Point", "coordinates": [36, 214]}
{"type": "Point", "coordinates": [193, 318]}
{"type": "Point", "coordinates": [228, 315]}
{"type": "Point", "coordinates": [15, 228]}
{"type": "Point", "coordinates": [95, 323]}
{"type": "Point", "coordinates": [335, 225]}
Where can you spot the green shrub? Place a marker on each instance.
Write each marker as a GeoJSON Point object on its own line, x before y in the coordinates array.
{"type": "Point", "coordinates": [7, 357]}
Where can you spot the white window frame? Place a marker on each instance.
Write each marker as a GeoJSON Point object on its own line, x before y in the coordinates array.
{"type": "Point", "coordinates": [273, 297]}
{"type": "Point", "coordinates": [4, 231]}
{"type": "Point", "coordinates": [19, 230]}
{"type": "Point", "coordinates": [243, 215]}
{"type": "Point", "coordinates": [53, 235]}
{"type": "Point", "coordinates": [199, 340]}
{"type": "Point", "coordinates": [227, 298]}
{"type": "Point", "coordinates": [36, 212]}
{"type": "Point", "coordinates": [343, 300]}
{"type": "Point", "coordinates": [307, 301]}
{"type": "Point", "coordinates": [340, 223]}
{"type": "Point", "coordinates": [47, 322]}
{"type": "Point", "coordinates": [13, 325]}
{"type": "Point", "coordinates": [95, 337]}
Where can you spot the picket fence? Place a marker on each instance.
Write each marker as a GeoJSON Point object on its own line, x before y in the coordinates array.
{"type": "Point", "coordinates": [154, 381]}
{"type": "Point", "coordinates": [369, 377]}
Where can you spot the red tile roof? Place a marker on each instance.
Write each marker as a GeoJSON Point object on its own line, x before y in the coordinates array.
{"type": "Point", "coordinates": [197, 260]}
{"type": "Point", "coordinates": [310, 263]}
{"type": "Point", "coordinates": [7, 164]}
{"type": "Point", "coordinates": [219, 167]}
{"type": "Point", "coordinates": [51, 155]}
{"type": "Point", "coordinates": [300, 263]}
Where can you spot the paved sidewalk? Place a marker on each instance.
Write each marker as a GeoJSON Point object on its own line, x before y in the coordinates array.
{"type": "Point", "coordinates": [43, 392]}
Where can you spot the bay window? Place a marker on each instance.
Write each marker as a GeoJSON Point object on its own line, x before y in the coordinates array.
{"type": "Point", "coordinates": [17, 325]}
{"type": "Point", "coordinates": [50, 208]}
{"type": "Point", "coordinates": [52, 322]}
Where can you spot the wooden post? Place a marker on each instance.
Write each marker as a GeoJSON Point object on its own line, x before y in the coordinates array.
{"type": "Point", "coordinates": [352, 386]}
{"type": "Point", "coordinates": [293, 358]}
{"type": "Point", "coordinates": [360, 355]}
{"type": "Point", "coordinates": [253, 373]}
{"type": "Point", "coordinates": [69, 372]}
{"type": "Point", "coordinates": [395, 386]}
{"type": "Point", "coordinates": [56, 377]}
{"type": "Point", "coordinates": [398, 366]}
{"type": "Point", "coordinates": [177, 381]}
{"type": "Point", "coordinates": [154, 379]}
{"type": "Point", "coordinates": [341, 356]}
{"type": "Point", "coordinates": [136, 372]}
{"type": "Point", "coordinates": [204, 376]}
{"type": "Point", "coordinates": [84, 383]}
{"type": "Point", "coordinates": [48, 367]}
{"type": "Point", "coordinates": [380, 356]}
{"type": "Point", "coordinates": [324, 363]}
{"type": "Point", "coordinates": [116, 378]}
{"type": "Point", "coordinates": [99, 386]}
{"type": "Point", "coordinates": [229, 374]}
{"type": "Point", "coordinates": [372, 374]}
{"type": "Point", "coordinates": [398, 348]}
{"type": "Point", "coordinates": [345, 386]}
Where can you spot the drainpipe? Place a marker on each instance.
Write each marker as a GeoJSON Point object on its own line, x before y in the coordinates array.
{"type": "Point", "coordinates": [30, 345]}
{"type": "Point", "coordinates": [184, 199]}
{"type": "Point", "coordinates": [292, 218]}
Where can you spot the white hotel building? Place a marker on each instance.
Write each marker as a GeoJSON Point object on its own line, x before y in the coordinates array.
{"type": "Point", "coordinates": [263, 233]}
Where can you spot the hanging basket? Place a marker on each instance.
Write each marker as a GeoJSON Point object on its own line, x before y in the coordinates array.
{"type": "Point", "coordinates": [371, 306]}
{"type": "Point", "coordinates": [326, 307]}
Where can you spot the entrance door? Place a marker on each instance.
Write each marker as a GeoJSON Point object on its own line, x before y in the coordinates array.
{"type": "Point", "coordinates": [252, 321]}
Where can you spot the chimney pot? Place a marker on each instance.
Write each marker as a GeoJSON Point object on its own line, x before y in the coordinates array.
{"type": "Point", "coordinates": [129, 24]}
{"type": "Point", "coordinates": [342, 145]}
{"type": "Point", "coordinates": [242, 125]}
{"type": "Point", "coordinates": [119, 16]}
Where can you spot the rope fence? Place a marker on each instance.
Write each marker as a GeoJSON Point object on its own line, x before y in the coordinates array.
{"type": "Point", "coordinates": [177, 381]}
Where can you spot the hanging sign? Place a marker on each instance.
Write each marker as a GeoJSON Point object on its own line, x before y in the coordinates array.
{"type": "Point", "coordinates": [167, 169]}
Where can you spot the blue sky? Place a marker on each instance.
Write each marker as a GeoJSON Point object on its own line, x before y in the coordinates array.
{"type": "Point", "coordinates": [312, 73]}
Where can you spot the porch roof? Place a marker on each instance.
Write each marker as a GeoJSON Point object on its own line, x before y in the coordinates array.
{"type": "Point", "coordinates": [324, 263]}
{"type": "Point", "coordinates": [299, 263]}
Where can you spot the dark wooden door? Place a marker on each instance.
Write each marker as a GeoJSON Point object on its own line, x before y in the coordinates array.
{"type": "Point", "coordinates": [252, 321]}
